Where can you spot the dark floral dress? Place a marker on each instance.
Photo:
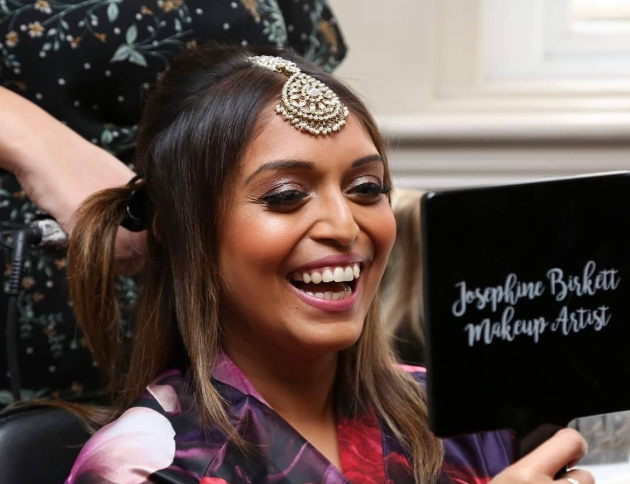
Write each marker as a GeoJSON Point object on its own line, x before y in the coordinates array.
{"type": "Point", "coordinates": [159, 440]}
{"type": "Point", "coordinates": [87, 62]}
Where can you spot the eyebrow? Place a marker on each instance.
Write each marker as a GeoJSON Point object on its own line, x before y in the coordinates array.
{"type": "Point", "coordinates": [367, 159]}
{"type": "Point", "coordinates": [305, 165]}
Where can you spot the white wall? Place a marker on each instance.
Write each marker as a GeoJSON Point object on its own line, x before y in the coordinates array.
{"type": "Point", "coordinates": [391, 52]}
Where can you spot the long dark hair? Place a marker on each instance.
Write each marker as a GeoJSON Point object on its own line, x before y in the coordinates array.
{"type": "Point", "coordinates": [201, 117]}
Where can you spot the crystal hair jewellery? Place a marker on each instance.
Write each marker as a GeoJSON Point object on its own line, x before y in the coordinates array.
{"type": "Point", "coordinates": [307, 103]}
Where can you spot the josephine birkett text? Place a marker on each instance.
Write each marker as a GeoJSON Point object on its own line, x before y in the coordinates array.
{"type": "Point", "coordinates": [502, 300]}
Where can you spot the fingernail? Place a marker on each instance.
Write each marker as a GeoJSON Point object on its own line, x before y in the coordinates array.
{"type": "Point", "coordinates": [584, 442]}
{"type": "Point", "coordinates": [584, 447]}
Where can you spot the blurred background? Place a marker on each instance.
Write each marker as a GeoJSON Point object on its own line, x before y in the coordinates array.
{"type": "Point", "coordinates": [493, 91]}
{"type": "Point", "coordinates": [476, 92]}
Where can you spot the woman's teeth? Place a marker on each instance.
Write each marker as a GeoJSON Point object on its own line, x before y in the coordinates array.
{"type": "Point", "coordinates": [331, 295]}
{"type": "Point", "coordinates": [331, 274]}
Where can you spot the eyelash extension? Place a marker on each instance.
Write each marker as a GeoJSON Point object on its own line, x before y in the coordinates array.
{"type": "Point", "coordinates": [386, 189]}
{"type": "Point", "coordinates": [373, 189]}
{"type": "Point", "coordinates": [285, 197]}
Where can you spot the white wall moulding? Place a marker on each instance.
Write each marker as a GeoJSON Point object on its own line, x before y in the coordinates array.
{"type": "Point", "coordinates": [513, 69]}
{"type": "Point", "coordinates": [425, 67]}
{"type": "Point", "coordinates": [518, 127]}
{"type": "Point", "coordinates": [541, 39]}
{"type": "Point", "coordinates": [488, 68]}
{"type": "Point", "coordinates": [444, 166]}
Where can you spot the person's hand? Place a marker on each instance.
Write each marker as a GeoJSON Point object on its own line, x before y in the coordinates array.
{"type": "Point", "coordinates": [540, 466]}
{"type": "Point", "coordinates": [58, 169]}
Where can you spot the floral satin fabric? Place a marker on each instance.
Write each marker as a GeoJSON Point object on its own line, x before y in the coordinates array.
{"type": "Point", "coordinates": [159, 440]}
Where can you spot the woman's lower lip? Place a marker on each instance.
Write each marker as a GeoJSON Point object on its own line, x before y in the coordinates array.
{"type": "Point", "coordinates": [330, 305]}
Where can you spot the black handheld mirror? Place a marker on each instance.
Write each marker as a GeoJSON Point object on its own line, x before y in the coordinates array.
{"type": "Point", "coordinates": [527, 304]}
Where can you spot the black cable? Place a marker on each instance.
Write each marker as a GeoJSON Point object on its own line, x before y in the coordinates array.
{"type": "Point", "coordinates": [21, 239]}
{"type": "Point", "coordinates": [11, 346]}
{"type": "Point", "coordinates": [41, 233]}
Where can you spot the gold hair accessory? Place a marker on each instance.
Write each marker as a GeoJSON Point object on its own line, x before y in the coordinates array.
{"type": "Point", "coordinates": [307, 103]}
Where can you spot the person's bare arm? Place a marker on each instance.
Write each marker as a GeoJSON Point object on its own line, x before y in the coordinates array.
{"type": "Point", "coordinates": [58, 169]}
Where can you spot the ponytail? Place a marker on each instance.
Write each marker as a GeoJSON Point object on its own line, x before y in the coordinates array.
{"type": "Point", "coordinates": [92, 273]}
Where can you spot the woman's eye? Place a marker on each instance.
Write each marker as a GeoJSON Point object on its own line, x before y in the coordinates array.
{"type": "Point", "coordinates": [283, 200]}
{"type": "Point", "coordinates": [370, 190]}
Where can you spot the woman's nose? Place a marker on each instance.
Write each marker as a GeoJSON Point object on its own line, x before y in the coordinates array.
{"type": "Point", "coordinates": [337, 223]}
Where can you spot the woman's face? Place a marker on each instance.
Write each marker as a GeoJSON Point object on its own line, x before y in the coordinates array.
{"type": "Point", "coordinates": [306, 240]}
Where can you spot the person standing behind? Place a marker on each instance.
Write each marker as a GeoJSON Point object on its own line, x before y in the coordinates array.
{"type": "Point", "coordinates": [401, 287]}
{"type": "Point", "coordinates": [72, 78]}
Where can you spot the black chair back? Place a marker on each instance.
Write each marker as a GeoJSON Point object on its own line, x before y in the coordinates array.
{"type": "Point", "coordinates": [39, 444]}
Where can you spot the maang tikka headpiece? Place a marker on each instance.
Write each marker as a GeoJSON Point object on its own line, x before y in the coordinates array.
{"type": "Point", "coordinates": [309, 104]}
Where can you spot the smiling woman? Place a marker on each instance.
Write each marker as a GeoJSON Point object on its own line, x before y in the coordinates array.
{"type": "Point", "coordinates": [258, 348]}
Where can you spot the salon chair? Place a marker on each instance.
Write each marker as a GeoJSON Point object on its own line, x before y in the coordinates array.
{"type": "Point", "coordinates": [38, 445]}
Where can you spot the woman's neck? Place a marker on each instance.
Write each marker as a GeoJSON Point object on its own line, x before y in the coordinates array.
{"type": "Point", "coordinates": [300, 389]}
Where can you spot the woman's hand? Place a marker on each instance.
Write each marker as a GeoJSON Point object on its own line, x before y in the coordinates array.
{"type": "Point", "coordinates": [58, 169]}
{"type": "Point", "coordinates": [541, 465]}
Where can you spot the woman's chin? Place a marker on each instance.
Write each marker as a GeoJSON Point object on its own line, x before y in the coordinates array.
{"type": "Point", "coordinates": [321, 341]}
